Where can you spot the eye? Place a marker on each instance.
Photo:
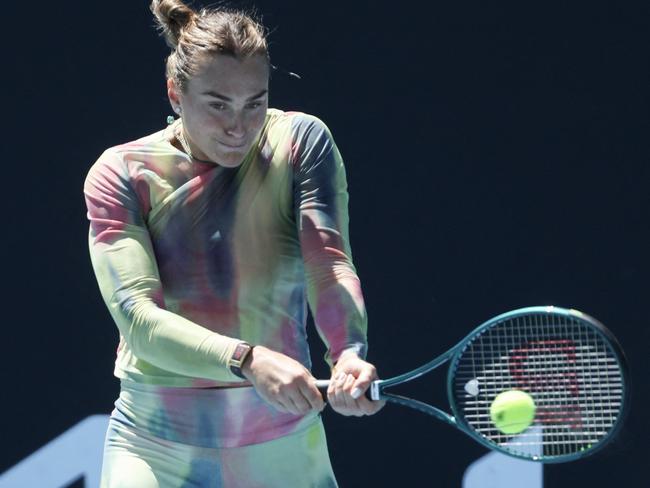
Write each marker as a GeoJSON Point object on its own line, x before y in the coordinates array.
{"type": "Point", "coordinates": [254, 105]}
{"type": "Point", "coordinates": [218, 106]}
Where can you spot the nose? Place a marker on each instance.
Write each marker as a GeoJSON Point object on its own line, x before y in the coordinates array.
{"type": "Point", "coordinates": [236, 127]}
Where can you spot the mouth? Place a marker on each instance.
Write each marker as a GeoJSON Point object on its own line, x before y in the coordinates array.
{"type": "Point", "coordinates": [232, 146]}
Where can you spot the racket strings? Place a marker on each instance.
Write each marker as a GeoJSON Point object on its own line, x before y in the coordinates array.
{"type": "Point", "coordinates": [567, 367]}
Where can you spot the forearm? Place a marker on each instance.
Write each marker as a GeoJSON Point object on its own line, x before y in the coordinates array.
{"type": "Point", "coordinates": [340, 315]}
{"type": "Point", "coordinates": [175, 344]}
{"type": "Point", "coordinates": [130, 286]}
{"type": "Point", "coordinates": [333, 287]}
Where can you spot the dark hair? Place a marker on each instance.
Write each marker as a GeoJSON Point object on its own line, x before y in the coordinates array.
{"type": "Point", "coordinates": [195, 35]}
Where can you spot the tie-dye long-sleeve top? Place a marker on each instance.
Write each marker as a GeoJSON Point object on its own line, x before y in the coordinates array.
{"type": "Point", "coordinates": [193, 257]}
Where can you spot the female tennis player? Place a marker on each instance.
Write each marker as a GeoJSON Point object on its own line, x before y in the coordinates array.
{"type": "Point", "coordinates": [208, 239]}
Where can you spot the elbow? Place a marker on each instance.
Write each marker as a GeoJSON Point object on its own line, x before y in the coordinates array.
{"type": "Point", "coordinates": [134, 317]}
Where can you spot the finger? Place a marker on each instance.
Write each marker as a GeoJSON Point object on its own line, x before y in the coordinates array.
{"type": "Point", "coordinates": [370, 407]}
{"type": "Point", "coordinates": [285, 403]}
{"type": "Point", "coordinates": [293, 398]}
{"type": "Point", "coordinates": [363, 381]}
{"type": "Point", "coordinates": [350, 403]}
{"type": "Point", "coordinates": [272, 401]}
{"type": "Point", "coordinates": [303, 394]}
{"type": "Point", "coordinates": [313, 396]}
{"type": "Point", "coordinates": [335, 392]}
{"type": "Point", "coordinates": [279, 406]}
{"type": "Point", "coordinates": [362, 405]}
{"type": "Point", "coordinates": [334, 386]}
{"type": "Point", "coordinates": [336, 382]}
{"type": "Point", "coordinates": [299, 403]}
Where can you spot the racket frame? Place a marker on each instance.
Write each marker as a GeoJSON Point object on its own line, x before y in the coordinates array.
{"type": "Point", "coordinates": [453, 355]}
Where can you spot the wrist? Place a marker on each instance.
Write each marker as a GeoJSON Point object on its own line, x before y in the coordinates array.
{"type": "Point", "coordinates": [239, 358]}
{"type": "Point", "coordinates": [246, 367]}
{"type": "Point", "coordinates": [346, 355]}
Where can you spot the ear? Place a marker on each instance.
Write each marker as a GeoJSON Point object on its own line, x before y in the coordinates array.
{"type": "Point", "coordinates": [174, 95]}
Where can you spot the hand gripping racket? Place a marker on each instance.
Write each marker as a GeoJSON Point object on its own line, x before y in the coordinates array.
{"type": "Point", "coordinates": [568, 362]}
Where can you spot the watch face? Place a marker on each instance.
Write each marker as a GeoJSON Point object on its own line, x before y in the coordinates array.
{"type": "Point", "coordinates": [238, 357]}
{"type": "Point", "coordinates": [240, 352]}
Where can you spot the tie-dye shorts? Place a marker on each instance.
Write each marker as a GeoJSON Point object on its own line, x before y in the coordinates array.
{"type": "Point", "coordinates": [136, 456]}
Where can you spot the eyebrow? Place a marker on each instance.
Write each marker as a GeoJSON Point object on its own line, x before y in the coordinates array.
{"type": "Point", "coordinates": [214, 94]}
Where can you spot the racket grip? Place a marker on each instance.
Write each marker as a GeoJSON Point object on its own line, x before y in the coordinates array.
{"type": "Point", "coordinates": [322, 386]}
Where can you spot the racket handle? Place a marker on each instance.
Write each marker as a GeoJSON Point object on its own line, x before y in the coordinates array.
{"type": "Point", "coordinates": [322, 386]}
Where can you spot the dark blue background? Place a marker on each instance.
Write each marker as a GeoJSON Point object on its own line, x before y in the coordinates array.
{"type": "Point", "coordinates": [497, 157]}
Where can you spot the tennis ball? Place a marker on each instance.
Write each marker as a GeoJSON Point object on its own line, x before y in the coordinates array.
{"type": "Point", "coordinates": [512, 411]}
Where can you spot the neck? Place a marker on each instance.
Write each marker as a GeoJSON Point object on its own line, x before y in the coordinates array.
{"type": "Point", "coordinates": [182, 138]}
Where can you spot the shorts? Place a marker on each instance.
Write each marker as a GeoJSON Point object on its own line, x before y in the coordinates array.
{"type": "Point", "coordinates": [134, 458]}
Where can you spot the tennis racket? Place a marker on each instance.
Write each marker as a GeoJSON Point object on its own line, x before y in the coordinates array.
{"type": "Point", "coordinates": [568, 362]}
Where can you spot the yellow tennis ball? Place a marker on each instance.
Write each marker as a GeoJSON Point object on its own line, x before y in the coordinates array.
{"type": "Point", "coordinates": [512, 411]}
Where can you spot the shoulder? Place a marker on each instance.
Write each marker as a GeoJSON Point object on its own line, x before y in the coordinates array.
{"type": "Point", "coordinates": [120, 159]}
{"type": "Point", "coordinates": [298, 124]}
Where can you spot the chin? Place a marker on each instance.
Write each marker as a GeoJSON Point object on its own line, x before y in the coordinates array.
{"type": "Point", "coordinates": [231, 164]}
{"type": "Point", "coordinates": [230, 160]}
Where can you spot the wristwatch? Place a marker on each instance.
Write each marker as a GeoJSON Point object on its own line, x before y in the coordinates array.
{"type": "Point", "coordinates": [238, 357]}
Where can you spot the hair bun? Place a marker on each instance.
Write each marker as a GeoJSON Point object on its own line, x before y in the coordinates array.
{"type": "Point", "coordinates": [172, 16]}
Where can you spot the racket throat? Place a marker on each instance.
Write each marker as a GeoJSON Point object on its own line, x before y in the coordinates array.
{"type": "Point", "coordinates": [374, 391]}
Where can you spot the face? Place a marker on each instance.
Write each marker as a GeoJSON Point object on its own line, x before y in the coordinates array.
{"type": "Point", "coordinates": [223, 108]}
